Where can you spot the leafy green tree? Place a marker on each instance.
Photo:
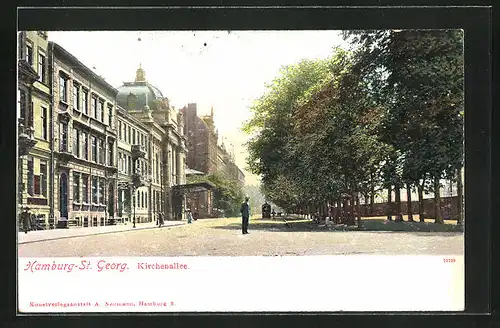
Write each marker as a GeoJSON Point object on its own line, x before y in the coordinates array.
{"type": "Point", "coordinates": [228, 193]}
{"type": "Point", "coordinates": [418, 77]}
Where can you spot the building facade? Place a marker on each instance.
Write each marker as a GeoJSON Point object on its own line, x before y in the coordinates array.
{"type": "Point", "coordinates": [166, 148]}
{"type": "Point", "coordinates": [133, 165]}
{"type": "Point", "coordinates": [34, 112]}
{"type": "Point", "coordinates": [85, 166]}
{"type": "Point", "coordinates": [91, 154]}
{"type": "Point", "coordinates": [206, 155]}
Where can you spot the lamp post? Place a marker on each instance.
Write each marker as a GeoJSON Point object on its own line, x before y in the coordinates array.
{"type": "Point", "coordinates": [133, 204]}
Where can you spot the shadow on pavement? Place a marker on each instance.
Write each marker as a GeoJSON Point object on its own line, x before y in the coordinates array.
{"type": "Point", "coordinates": [278, 226]}
{"type": "Point", "coordinates": [374, 226]}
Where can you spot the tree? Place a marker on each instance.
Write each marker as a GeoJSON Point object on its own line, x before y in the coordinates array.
{"type": "Point", "coordinates": [228, 193]}
{"type": "Point", "coordinates": [418, 78]}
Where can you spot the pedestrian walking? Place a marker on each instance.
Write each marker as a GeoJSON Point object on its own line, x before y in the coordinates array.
{"type": "Point", "coordinates": [25, 218]}
{"type": "Point", "coordinates": [245, 216]}
{"type": "Point", "coordinates": [161, 221]}
{"type": "Point", "coordinates": [189, 215]}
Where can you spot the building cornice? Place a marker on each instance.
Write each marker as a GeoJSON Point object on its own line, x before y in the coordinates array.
{"type": "Point", "coordinates": [121, 112]}
{"type": "Point", "coordinates": [76, 65]}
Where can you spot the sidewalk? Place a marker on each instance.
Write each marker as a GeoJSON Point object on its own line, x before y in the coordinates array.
{"type": "Point", "coordinates": [41, 235]}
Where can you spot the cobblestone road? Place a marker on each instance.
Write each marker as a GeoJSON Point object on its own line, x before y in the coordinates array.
{"type": "Point", "coordinates": [223, 238]}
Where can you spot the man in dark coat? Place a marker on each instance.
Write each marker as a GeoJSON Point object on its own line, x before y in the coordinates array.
{"type": "Point", "coordinates": [245, 216]}
{"type": "Point", "coordinates": [25, 219]}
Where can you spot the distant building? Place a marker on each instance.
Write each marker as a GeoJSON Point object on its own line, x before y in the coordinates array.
{"type": "Point", "coordinates": [206, 155]}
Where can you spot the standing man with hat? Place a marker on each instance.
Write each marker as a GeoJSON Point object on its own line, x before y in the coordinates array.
{"type": "Point", "coordinates": [25, 219]}
{"type": "Point", "coordinates": [245, 216]}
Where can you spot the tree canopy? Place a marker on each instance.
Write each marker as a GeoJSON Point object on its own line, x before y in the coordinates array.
{"type": "Point", "coordinates": [386, 113]}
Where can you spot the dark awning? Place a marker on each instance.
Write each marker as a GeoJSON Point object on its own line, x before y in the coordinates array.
{"type": "Point", "coordinates": [194, 187]}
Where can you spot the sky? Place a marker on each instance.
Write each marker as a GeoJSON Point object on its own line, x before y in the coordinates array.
{"type": "Point", "coordinates": [223, 69]}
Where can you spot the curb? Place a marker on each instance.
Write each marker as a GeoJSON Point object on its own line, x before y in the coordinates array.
{"type": "Point", "coordinates": [98, 233]}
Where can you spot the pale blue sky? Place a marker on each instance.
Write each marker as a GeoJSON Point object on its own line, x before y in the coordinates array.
{"type": "Point", "coordinates": [226, 70]}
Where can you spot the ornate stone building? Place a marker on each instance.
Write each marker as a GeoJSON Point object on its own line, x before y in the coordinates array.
{"type": "Point", "coordinates": [134, 166]}
{"type": "Point", "coordinates": [84, 135]}
{"type": "Point", "coordinates": [91, 154]}
{"type": "Point", "coordinates": [166, 148]}
{"type": "Point", "coordinates": [34, 112]}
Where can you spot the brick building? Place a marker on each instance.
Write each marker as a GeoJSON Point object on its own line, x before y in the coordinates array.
{"type": "Point", "coordinates": [206, 155]}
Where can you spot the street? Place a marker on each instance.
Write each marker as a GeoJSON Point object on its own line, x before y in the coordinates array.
{"type": "Point", "coordinates": [222, 237]}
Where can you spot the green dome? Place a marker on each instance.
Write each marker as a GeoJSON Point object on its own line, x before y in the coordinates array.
{"type": "Point", "coordinates": [133, 95]}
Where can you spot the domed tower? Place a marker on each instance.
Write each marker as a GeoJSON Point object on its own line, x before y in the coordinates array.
{"type": "Point", "coordinates": [139, 95]}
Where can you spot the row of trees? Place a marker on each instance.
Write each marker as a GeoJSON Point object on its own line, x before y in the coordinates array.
{"type": "Point", "coordinates": [227, 195]}
{"type": "Point", "coordinates": [388, 114]}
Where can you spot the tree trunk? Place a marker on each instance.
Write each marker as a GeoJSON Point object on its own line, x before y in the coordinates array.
{"type": "Point", "coordinates": [389, 204]}
{"type": "Point", "coordinates": [358, 210]}
{"type": "Point", "coordinates": [339, 210]}
{"type": "Point", "coordinates": [350, 213]}
{"type": "Point", "coordinates": [421, 202]}
{"type": "Point", "coordinates": [460, 207]}
{"type": "Point", "coordinates": [345, 211]}
{"type": "Point", "coordinates": [397, 202]}
{"type": "Point", "coordinates": [437, 202]}
{"type": "Point", "coordinates": [409, 210]}
{"type": "Point", "coordinates": [372, 200]}
{"type": "Point", "coordinates": [366, 202]}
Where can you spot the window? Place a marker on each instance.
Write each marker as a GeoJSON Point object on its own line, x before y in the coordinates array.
{"type": "Point", "coordinates": [85, 188]}
{"type": "Point", "coordinates": [36, 188]}
{"type": "Point", "coordinates": [85, 103]}
{"type": "Point", "coordinates": [101, 191]}
{"type": "Point", "coordinates": [76, 96]}
{"type": "Point", "coordinates": [133, 137]}
{"type": "Point", "coordinates": [94, 190]}
{"type": "Point", "coordinates": [120, 162]}
{"type": "Point", "coordinates": [63, 88]}
{"type": "Point", "coordinates": [22, 104]}
{"type": "Point", "coordinates": [76, 187]}
{"type": "Point", "coordinates": [129, 134]}
{"type": "Point", "coordinates": [102, 151]}
{"type": "Point", "coordinates": [85, 145]}
{"type": "Point", "coordinates": [94, 148]}
{"type": "Point", "coordinates": [110, 153]}
{"type": "Point", "coordinates": [43, 178]}
{"type": "Point", "coordinates": [44, 122]}
{"type": "Point", "coordinates": [30, 176]}
{"type": "Point", "coordinates": [100, 112]}
{"type": "Point", "coordinates": [157, 171]}
{"type": "Point", "coordinates": [93, 111]}
{"type": "Point", "coordinates": [129, 164]}
{"type": "Point", "coordinates": [110, 115]}
{"type": "Point", "coordinates": [76, 142]}
{"type": "Point", "coordinates": [120, 130]}
{"type": "Point", "coordinates": [29, 54]}
{"type": "Point", "coordinates": [30, 117]}
{"type": "Point", "coordinates": [63, 132]}
{"type": "Point", "coordinates": [41, 67]}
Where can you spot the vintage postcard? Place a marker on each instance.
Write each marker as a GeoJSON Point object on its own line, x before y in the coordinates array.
{"type": "Point", "coordinates": [240, 171]}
